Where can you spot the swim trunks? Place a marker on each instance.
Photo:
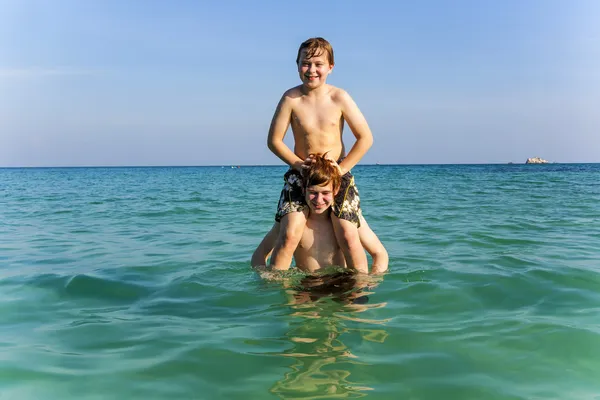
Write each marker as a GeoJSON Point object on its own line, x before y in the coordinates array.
{"type": "Point", "coordinates": [346, 203]}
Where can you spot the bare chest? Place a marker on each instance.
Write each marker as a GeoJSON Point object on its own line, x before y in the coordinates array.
{"type": "Point", "coordinates": [322, 117]}
{"type": "Point", "coordinates": [318, 243]}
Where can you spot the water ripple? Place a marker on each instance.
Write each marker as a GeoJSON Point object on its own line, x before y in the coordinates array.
{"type": "Point", "coordinates": [134, 283]}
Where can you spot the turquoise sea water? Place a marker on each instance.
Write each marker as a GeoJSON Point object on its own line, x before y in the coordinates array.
{"type": "Point", "coordinates": [134, 283]}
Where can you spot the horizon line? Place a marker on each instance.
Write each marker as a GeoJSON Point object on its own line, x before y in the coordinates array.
{"type": "Point", "coordinates": [234, 166]}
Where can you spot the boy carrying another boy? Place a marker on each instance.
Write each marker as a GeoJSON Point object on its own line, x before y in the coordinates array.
{"type": "Point", "coordinates": [318, 248]}
{"type": "Point", "coordinates": [317, 112]}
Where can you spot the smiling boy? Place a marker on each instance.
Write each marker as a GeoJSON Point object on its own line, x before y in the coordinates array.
{"type": "Point", "coordinates": [317, 112]}
{"type": "Point", "coordinates": [318, 247]}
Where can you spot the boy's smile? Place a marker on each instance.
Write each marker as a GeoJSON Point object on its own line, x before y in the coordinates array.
{"type": "Point", "coordinates": [319, 198]}
{"type": "Point", "coordinates": [313, 71]}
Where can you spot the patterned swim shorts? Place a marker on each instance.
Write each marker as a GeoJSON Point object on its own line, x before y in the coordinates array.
{"type": "Point", "coordinates": [346, 205]}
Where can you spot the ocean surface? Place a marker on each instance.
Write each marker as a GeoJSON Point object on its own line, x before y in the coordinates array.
{"type": "Point", "coordinates": [135, 283]}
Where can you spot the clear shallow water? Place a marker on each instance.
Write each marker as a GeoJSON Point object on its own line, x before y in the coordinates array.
{"type": "Point", "coordinates": [135, 283]}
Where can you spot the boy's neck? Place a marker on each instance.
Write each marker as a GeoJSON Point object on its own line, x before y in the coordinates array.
{"type": "Point", "coordinates": [319, 217]}
{"type": "Point", "coordinates": [324, 88]}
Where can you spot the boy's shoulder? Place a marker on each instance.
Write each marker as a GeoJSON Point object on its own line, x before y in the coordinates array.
{"type": "Point", "coordinates": [334, 92]}
{"type": "Point", "coordinates": [293, 93]}
{"type": "Point", "coordinates": [337, 93]}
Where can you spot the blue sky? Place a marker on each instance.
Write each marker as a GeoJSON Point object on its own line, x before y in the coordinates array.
{"type": "Point", "coordinates": [118, 82]}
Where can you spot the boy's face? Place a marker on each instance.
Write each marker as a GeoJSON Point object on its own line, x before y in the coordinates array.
{"type": "Point", "coordinates": [319, 198]}
{"type": "Point", "coordinates": [314, 70]}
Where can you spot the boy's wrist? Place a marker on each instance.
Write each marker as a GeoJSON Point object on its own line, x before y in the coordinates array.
{"type": "Point", "coordinates": [297, 165]}
{"type": "Point", "coordinates": [343, 170]}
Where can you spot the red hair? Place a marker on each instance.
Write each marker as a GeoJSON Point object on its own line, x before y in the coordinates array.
{"type": "Point", "coordinates": [314, 47]}
{"type": "Point", "coordinates": [321, 173]}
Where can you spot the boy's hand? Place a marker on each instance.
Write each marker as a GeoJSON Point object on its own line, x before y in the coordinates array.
{"type": "Point", "coordinates": [299, 166]}
{"type": "Point", "coordinates": [303, 166]}
{"type": "Point", "coordinates": [335, 164]}
{"type": "Point", "coordinates": [310, 160]}
{"type": "Point", "coordinates": [308, 163]}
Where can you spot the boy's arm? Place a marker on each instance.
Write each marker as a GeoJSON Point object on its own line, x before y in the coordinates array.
{"type": "Point", "coordinates": [262, 253]}
{"type": "Point", "coordinates": [279, 126]}
{"type": "Point", "coordinates": [359, 127]}
{"type": "Point", "coordinates": [374, 247]}
{"type": "Point", "coordinates": [264, 249]}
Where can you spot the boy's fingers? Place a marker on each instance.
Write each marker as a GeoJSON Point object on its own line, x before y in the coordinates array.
{"type": "Point", "coordinates": [332, 160]}
{"type": "Point", "coordinates": [307, 163]}
{"type": "Point", "coordinates": [335, 164]}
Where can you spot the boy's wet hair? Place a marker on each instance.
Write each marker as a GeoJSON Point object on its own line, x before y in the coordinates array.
{"type": "Point", "coordinates": [321, 173]}
{"type": "Point", "coordinates": [315, 47]}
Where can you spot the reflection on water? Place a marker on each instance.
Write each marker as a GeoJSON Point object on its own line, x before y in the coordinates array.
{"type": "Point", "coordinates": [326, 311]}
